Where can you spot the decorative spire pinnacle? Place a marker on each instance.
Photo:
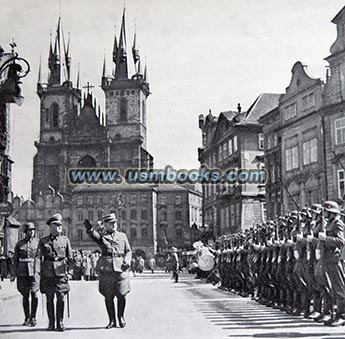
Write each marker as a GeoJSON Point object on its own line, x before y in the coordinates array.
{"type": "Point", "coordinates": [145, 73]}
{"type": "Point", "coordinates": [135, 50]}
{"type": "Point", "coordinates": [104, 67]}
{"type": "Point", "coordinates": [78, 77]}
{"type": "Point", "coordinates": [39, 80]}
{"type": "Point", "coordinates": [115, 48]}
{"type": "Point", "coordinates": [50, 59]}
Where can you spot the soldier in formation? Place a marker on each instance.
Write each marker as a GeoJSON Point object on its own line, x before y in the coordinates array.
{"type": "Point", "coordinates": [26, 268]}
{"type": "Point", "coordinates": [293, 263]}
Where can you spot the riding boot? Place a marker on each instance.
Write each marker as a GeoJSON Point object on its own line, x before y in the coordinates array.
{"type": "Point", "coordinates": [109, 304]}
{"type": "Point", "coordinates": [121, 305]}
{"type": "Point", "coordinates": [26, 307]}
{"type": "Point", "coordinates": [51, 312]}
{"type": "Point", "coordinates": [60, 306]}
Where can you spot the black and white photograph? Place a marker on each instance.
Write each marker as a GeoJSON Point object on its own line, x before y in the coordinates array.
{"type": "Point", "coordinates": [172, 169]}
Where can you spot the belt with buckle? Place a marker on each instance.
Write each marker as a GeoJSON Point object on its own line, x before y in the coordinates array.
{"type": "Point", "coordinates": [26, 259]}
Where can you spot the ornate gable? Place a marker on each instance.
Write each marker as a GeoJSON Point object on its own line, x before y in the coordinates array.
{"type": "Point", "coordinates": [300, 80]}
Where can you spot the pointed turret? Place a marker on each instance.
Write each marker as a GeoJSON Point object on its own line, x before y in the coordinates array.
{"type": "Point", "coordinates": [104, 68]}
{"type": "Point", "coordinates": [115, 48]}
{"type": "Point", "coordinates": [121, 71]}
{"type": "Point", "coordinates": [78, 77]}
{"type": "Point", "coordinates": [50, 58]}
{"type": "Point", "coordinates": [39, 79]}
{"type": "Point", "coordinates": [67, 57]}
{"type": "Point", "coordinates": [54, 60]}
{"type": "Point", "coordinates": [135, 50]}
{"type": "Point", "coordinates": [145, 74]}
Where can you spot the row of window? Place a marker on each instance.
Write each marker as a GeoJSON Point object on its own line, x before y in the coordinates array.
{"type": "Point", "coordinates": [310, 156]}
{"type": "Point", "coordinates": [133, 234]}
{"type": "Point", "coordinates": [132, 198]}
{"type": "Point", "coordinates": [308, 101]}
{"type": "Point", "coordinates": [226, 149]}
{"type": "Point", "coordinates": [163, 199]}
{"type": "Point", "coordinates": [91, 214]}
{"type": "Point", "coordinates": [163, 215]}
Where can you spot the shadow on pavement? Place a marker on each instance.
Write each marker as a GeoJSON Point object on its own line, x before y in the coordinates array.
{"type": "Point", "coordinates": [44, 329]}
{"type": "Point", "coordinates": [291, 335]}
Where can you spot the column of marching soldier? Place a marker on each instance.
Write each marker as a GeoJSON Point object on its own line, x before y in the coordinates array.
{"type": "Point", "coordinates": [46, 264]}
{"type": "Point", "coordinates": [294, 263]}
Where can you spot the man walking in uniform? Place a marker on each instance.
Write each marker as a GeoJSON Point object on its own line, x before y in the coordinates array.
{"type": "Point", "coordinates": [26, 269]}
{"type": "Point", "coordinates": [175, 264]}
{"type": "Point", "coordinates": [56, 260]}
{"type": "Point", "coordinates": [113, 267]}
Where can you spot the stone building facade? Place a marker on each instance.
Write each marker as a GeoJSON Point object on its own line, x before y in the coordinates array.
{"type": "Point", "coordinates": [234, 140]}
{"type": "Point", "coordinates": [306, 135]}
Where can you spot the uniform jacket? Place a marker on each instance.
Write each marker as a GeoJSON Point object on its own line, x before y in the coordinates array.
{"type": "Point", "coordinates": [25, 260]}
{"type": "Point", "coordinates": [334, 242]}
{"type": "Point", "coordinates": [116, 251]}
{"type": "Point", "coordinates": [174, 262]}
{"type": "Point", "coordinates": [56, 256]}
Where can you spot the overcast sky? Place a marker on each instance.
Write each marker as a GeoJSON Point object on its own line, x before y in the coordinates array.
{"type": "Point", "coordinates": [201, 55]}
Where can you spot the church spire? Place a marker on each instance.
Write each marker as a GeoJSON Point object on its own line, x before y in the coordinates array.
{"type": "Point", "coordinates": [78, 76]}
{"type": "Point", "coordinates": [121, 71]}
{"type": "Point", "coordinates": [135, 51]}
{"type": "Point", "coordinates": [39, 80]}
{"type": "Point", "coordinates": [115, 48]}
{"type": "Point", "coordinates": [54, 59]}
{"type": "Point", "coordinates": [104, 68]}
{"type": "Point", "coordinates": [145, 73]}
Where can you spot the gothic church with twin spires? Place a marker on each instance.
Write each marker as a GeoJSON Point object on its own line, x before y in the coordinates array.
{"type": "Point", "coordinates": [75, 133]}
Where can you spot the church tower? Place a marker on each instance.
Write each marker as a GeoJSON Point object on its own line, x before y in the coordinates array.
{"type": "Point", "coordinates": [126, 107]}
{"type": "Point", "coordinates": [59, 104]}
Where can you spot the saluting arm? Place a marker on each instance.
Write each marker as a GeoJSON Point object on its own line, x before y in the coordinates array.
{"type": "Point", "coordinates": [93, 234]}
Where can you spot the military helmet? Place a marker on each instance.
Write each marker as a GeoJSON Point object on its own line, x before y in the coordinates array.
{"type": "Point", "coordinates": [331, 206]}
{"type": "Point", "coordinates": [293, 215]}
{"type": "Point", "coordinates": [28, 226]}
{"type": "Point", "coordinates": [305, 211]}
{"type": "Point", "coordinates": [316, 208]}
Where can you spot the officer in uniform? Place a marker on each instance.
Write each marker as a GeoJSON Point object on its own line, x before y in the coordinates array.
{"type": "Point", "coordinates": [112, 266]}
{"type": "Point", "coordinates": [56, 267]}
{"type": "Point", "coordinates": [26, 269]}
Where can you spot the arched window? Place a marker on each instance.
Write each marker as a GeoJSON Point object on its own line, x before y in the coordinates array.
{"type": "Point", "coordinates": [87, 161]}
{"type": "Point", "coordinates": [123, 109]}
{"type": "Point", "coordinates": [163, 214]}
{"type": "Point", "coordinates": [54, 115]}
{"type": "Point", "coordinates": [144, 233]}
